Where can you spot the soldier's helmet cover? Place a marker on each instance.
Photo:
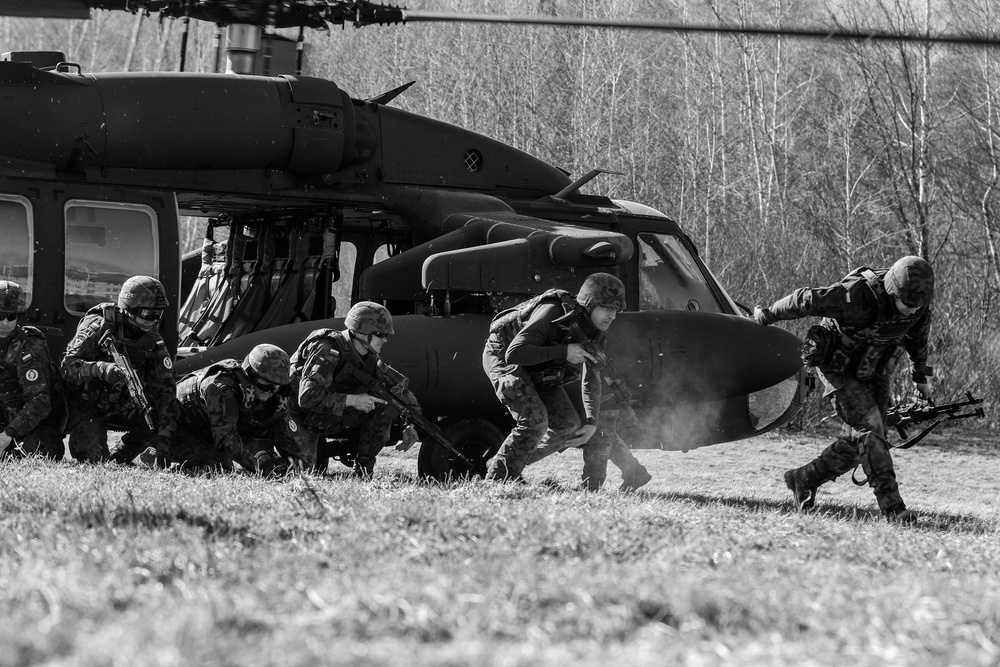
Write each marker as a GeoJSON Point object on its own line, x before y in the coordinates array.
{"type": "Point", "coordinates": [602, 289]}
{"type": "Point", "coordinates": [142, 292]}
{"type": "Point", "coordinates": [268, 362]}
{"type": "Point", "coordinates": [367, 317]}
{"type": "Point", "coordinates": [11, 297]}
{"type": "Point", "coordinates": [911, 278]}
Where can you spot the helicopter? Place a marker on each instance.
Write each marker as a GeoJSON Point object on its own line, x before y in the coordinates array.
{"type": "Point", "coordinates": [444, 226]}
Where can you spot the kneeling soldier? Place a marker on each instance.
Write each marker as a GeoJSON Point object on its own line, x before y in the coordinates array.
{"type": "Point", "coordinates": [226, 409]}
{"type": "Point", "coordinates": [327, 399]}
{"type": "Point", "coordinates": [101, 386]}
{"type": "Point", "coordinates": [32, 406]}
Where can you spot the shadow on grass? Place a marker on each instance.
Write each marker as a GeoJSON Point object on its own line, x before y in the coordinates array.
{"type": "Point", "coordinates": [939, 521]}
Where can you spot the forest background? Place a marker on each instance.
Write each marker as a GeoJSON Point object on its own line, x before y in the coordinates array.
{"type": "Point", "coordinates": [789, 162]}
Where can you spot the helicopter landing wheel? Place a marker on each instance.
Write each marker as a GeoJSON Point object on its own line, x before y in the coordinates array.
{"type": "Point", "coordinates": [477, 439]}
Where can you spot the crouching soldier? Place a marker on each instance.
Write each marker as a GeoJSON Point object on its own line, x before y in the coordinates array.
{"type": "Point", "coordinates": [532, 352]}
{"type": "Point", "coordinates": [867, 316]}
{"type": "Point", "coordinates": [232, 411]}
{"type": "Point", "coordinates": [100, 384]}
{"type": "Point", "coordinates": [328, 398]}
{"type": "Point", "coordinates": [32, 405]}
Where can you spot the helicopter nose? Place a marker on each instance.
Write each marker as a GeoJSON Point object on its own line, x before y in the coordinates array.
{"type": "Point", "coordinates": [676, 357]}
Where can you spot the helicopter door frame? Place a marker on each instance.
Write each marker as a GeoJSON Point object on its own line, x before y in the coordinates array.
{"type": "Point", "coordinates": [95, 213]}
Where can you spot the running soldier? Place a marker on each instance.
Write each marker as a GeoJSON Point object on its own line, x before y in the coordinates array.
{"type": "Point", "coordinates": [101, 395]}
{"type": "Point", "coordinates": [530, 356]}
{"type": "Point", "coordinates": [855, 348]}
{"type": "Point", "coordinates": [32, 405]}
{"type": "Point", "coordinates": [232, 411]}
{"type": "Point", "coordinates": [328, 400]}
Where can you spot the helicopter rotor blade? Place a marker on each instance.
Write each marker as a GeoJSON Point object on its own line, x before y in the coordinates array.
{"type": "Point", "coordinates": [839, 34]}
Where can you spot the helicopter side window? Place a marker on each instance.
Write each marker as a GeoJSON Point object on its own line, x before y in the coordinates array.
{"type": "Point", "coordinates": [106, 243]}
{"type": "Point", "coordinates": [342, 289]}
{"type": "Point", "coordinates": [16, 258]}
{"type": "Point", "coordinates": [670, 278]}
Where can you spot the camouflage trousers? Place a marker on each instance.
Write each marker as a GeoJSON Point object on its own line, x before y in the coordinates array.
{"type": "Point", "coordinates": [862, 406]}
{"type": "Point", "coordinates": [46, 439]}
{"type": "Point", "coordinates": [607, 445]}
{"type": "Point", "coordinates": [88, 434]}
{"type": "Point", "coordinates": [195, 449]}
{"type": "Point", "coordinates": [371, 429]}
{"type": "Point", "coordinates": [545, 418]}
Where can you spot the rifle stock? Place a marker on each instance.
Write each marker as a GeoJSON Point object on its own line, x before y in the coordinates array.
{"type": "Point", "coordinates": [132, 381]}
{"type": "Point", "coordinates": [379, 390]}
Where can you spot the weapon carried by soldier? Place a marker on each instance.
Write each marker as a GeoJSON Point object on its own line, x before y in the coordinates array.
{"type": "Point", "coordinates": [132, 381]}
{"type": "Point", "coordinates": [908, 414]}
{"type": "Point", "coordinates": [610, 373]}
{"type": "Point", "coordinates": [377, 389]}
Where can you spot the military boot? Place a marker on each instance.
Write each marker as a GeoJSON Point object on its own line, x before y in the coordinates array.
{"type": "Point", "coordinates": [636, 477]}
{"type": "Point", "coordinates": [805, 494]}
{"type": "Point", "coordinates": [899, 514]}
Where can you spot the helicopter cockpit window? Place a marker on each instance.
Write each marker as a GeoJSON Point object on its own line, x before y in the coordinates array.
{"type": "Point", "coordinates": [106, 243]}
{"type": "Point", "coordinates": [670, 278]}
{"type": "Point", "coordinates": [16, 258]}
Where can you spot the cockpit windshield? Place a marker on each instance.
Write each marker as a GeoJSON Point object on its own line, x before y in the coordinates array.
{"type": "Point", "coordinates": [671, 279]}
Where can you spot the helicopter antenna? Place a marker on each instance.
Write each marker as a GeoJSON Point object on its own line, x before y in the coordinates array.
{"type": "Point", "coordinates": [580, 182]}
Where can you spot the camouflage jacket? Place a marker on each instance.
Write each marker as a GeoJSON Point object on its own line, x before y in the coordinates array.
{"type": "Point", "coordinates": [860, 310]}
{"type": "Point", "coordinates": [318, 383]}
{"type": "Point", "coordinates": [147, 353]}
{"type": "Point", "coordinates": [220, 400]}
{"type": "Point", "coordinates": [543, 337]}
{"type": "Point", "coordinates": [27, 379]}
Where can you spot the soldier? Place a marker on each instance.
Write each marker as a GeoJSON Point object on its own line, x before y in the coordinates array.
{"type": "Point", "coordinates": [32, 405]}
{"type": "Point", "coordinates": [226, 409]}
{"type": "Point", "coordinates": [102, 398]}
{"type": "Point", "coordinates": [327, 401]}
{"type": "Point", "coordinates": [867, 316]}
{"type": "Point", "coordinates": [529, 357]}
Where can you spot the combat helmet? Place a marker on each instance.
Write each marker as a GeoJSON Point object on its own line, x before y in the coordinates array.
{"type": "Point", "coordinates": [912, 280]}
{"type": "Point", "coordinates": [602, 289]}
{"type": "Point", "coordinates": [269, 363]}
{"type": "Point", "coordinates": [366, 317]}
{"type": "Point", "coordinates": [142, 292]}
{"type": "Point", "coordinates": [11, 297]}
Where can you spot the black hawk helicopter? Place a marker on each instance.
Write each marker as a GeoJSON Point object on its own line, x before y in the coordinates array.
{"type": "Point", "coordinates": [292, 169]}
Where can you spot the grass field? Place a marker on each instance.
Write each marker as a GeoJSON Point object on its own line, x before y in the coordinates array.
{"type": "Point", "coordinates": [708, 565]}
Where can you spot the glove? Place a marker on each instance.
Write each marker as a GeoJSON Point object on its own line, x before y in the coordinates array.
{"type": "Point", "coordinates": [107, 371]}
{"type": "Point", "coordinates": [763, 316]}
{"type": "Point", "coordinates": [5, 441]}
{"type": "Point", "coordinates": [162, 446]}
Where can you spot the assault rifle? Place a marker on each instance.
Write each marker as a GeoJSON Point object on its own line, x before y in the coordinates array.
{"type": "Point", "coordinates": [906, 415]}
{"type": "Point", "coordinates": [376, 388]}
{"type": "Point", "coordinates": [132, 381]}
{"type": "Point", "coordinates": [604, 364]}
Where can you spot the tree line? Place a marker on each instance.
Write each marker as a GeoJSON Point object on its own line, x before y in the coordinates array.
{"type": "Point", "coordinates": [788, 161]}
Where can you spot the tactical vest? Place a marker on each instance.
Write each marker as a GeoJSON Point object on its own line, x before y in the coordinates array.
{"type": "Point", "coordinates": [339, 383]}
{"type": "Point", "coordinates": [508, 323]}
{"type": "Point", "coordinates": [859, 351]}
{"type": "Point", "coordinates": [188, 391]}
{"type": "Point", "coordinates": [139, 351]}
{"type": "Point", "coordinates": [10, 383]}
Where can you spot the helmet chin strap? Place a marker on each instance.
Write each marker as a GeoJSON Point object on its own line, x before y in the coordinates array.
{"type": "Point", "coordinates": [366, 344]}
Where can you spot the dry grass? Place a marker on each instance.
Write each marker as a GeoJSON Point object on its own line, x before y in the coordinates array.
{"type": "Point", "coordinates": [102, 565]}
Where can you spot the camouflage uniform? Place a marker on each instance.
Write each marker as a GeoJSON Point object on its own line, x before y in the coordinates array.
{"type": "Point", "coordinates": [220, 419]}
{"type": "Point", "coordinates": [525, 359]}
{"type": "Point", "coordinates": [99, 404]}
{"type": "Point", "coordinates": [856, 349]}
{"type": "Point", "coordinates": [32, 404]}
{"type": "Point", "coordinates": [320, 388]}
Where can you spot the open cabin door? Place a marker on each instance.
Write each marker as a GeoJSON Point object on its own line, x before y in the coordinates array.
{"type": "Point", "coordinates": [72, 245]}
